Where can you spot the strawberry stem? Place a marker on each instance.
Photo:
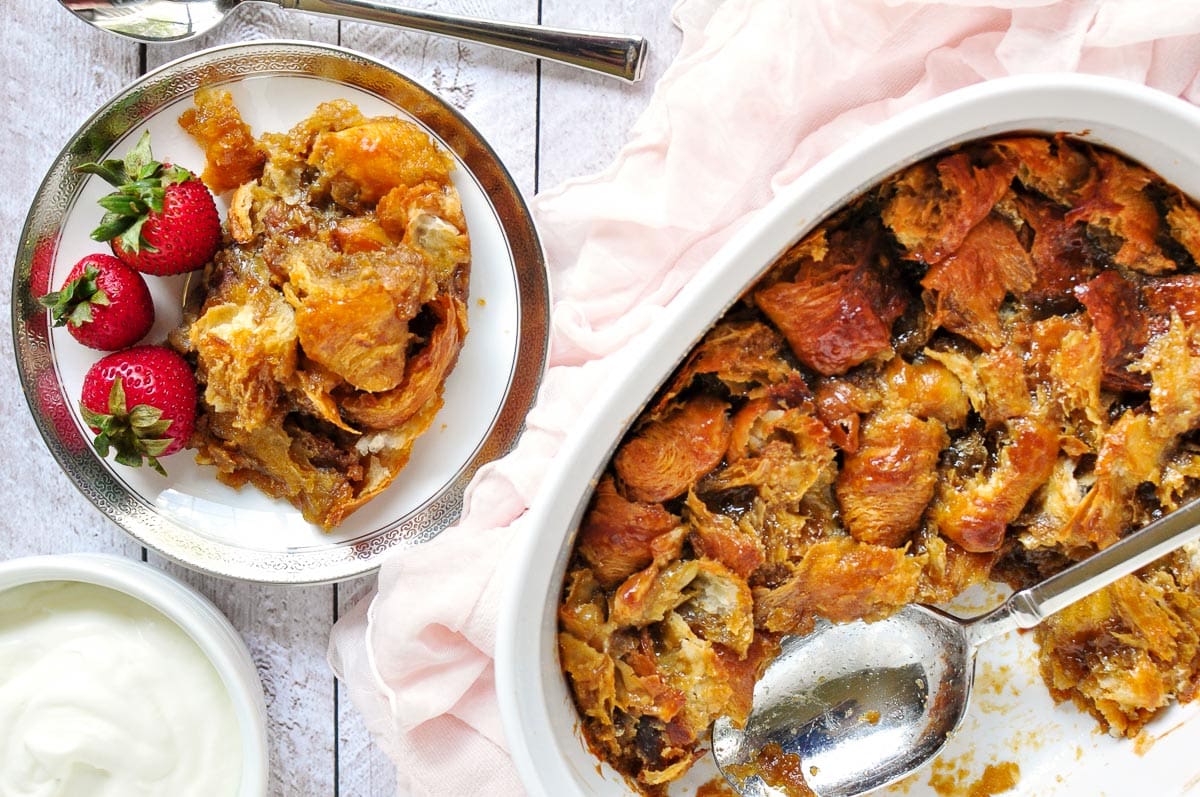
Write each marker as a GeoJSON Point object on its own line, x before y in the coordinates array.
{"type": "Point", "coordinates": [73, 304]}
{"type": "Point", "coordinates": [138, 435]}
{"type": "Point", "coordinates": [141, 187]}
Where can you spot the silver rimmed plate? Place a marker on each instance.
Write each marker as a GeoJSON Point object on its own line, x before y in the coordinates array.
{"type": "Point", "coordinates": [189, 516]}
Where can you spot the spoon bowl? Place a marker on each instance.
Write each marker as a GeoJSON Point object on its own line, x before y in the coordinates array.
{"type": "Point", "coordinates": [152, 21]}
{"type": "Point", "coordinates": [860, 705]}
{"type": "Point", "coordinates": [896, 687]}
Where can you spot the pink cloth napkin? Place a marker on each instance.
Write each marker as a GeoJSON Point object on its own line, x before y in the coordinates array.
{"type": "Point", "coordinates": [759, 92]}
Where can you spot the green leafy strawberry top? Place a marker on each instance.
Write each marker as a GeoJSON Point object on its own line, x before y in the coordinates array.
{"type": "Point", "coordinates": [137, 434]}
{"type": "Point", "coordinates": [73, 304]}
{"type": "Point", "coordinates": [141, 184]}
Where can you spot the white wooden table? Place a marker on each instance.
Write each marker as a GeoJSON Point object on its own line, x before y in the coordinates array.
{"type": "Point", "coordinates": [547, 122]}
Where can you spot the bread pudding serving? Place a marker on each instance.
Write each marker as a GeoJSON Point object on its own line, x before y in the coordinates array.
{"type": "Point", "coordinates": [987, 367]}
{"type": "Point", "coordinates": [324, 329]}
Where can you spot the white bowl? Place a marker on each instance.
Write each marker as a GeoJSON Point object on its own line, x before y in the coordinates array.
{"type": "Point", "coordinates": [1160, 131]}
{"type": "Point", "coordinates": [196, 615]}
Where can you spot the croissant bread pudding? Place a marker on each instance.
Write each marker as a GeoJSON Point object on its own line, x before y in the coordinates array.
{"type": "Point", "coordinates": [324, 329]}
{"type": "Point", "coordinates": [985, 368]}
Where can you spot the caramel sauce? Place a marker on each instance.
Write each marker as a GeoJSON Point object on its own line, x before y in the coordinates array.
{"type": "Point", "coordinates": [996, 779]}
{"type": "Point", "coordinates": [780, 770]}
{"type": "Point", "coordinates": [717, 787]}
{"type": "Point", "coordinates": [950, 779]}
{"type": "Point", "coordinates": [232, 155]}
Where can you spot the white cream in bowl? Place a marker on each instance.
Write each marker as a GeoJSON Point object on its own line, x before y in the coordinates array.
{"type": "Point", "coordinates": [118, 681]}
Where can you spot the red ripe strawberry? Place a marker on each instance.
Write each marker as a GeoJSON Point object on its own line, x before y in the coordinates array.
{"type": "Point", "coordinates": [161, 220]}
{"type": "Point", "coordinates": [103, 303]}
{"type": "Point", "coordinates": [142, 404]}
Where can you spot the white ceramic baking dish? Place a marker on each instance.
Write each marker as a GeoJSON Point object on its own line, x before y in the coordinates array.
{"type": "Point", "coordinates": [1012, 719]}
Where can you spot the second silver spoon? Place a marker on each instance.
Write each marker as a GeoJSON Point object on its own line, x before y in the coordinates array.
{"type": "Point", "coordinates": [616, 55]}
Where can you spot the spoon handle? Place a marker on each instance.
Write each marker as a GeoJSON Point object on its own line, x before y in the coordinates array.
{"type": "Point", "coordinates": [1027, 608]}
{"type": "Point", "coordinates": [610, 54]}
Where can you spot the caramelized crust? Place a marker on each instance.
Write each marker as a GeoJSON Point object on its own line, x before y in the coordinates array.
{"type": "Point", "coordinates": [976, 512]}
{"type": "Point", "coordinates": [936, 204]}
{"type": "Point", "coordinates": [358, 165]}
{"type": "Point", "coordinates": [837, 312]}
{"type": "Point", "coordinates": [1112, 305]}
{"type": "Point", "coordinates": [746, 357]}
{"type": "Point", "coordinates": [885, 485]}
{"type": "Point", "coordinates": [617, 537]}
{"type": "Point", "coordinates": [1061, 254]}
{"type": "Point", "coordinates": [966, 289]}
{"type": "Point", "coordinates": [1055, 168]}
{"type": "Point", "coordinates": [670, 453]}
{"type": "Point", "coordinates": [323, 331]}
{"type": "Point", "coordinates": [839, 579]}
{"type": "Point", "coordinates": [231, 154]}
{"type": "Point", "coordinates": [1118, 207]}
{"type": "Point", "coordinates": [988, 366]}
{"type": "Point", "coordinates": [1126, 652]}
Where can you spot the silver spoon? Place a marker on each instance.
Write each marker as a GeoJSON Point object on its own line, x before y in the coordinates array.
{"type": "Point", "coordinates": [177, 20]}
{"type": "Point", "coordinates": [864, 704]}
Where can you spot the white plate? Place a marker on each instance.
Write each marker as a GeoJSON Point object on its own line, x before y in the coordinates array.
{"type": "Point", "coordinates": [191, 517]}
{"type": "Point", "coordinates": [1012, 719]}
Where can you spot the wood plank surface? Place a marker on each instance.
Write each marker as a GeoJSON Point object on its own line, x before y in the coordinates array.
{"type": "Point", "coordinates": [42, 108]}
{"type": "Point", "coordinates": [546, 122]}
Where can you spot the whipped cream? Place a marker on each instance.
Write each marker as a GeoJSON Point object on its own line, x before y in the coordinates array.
{"type": "Point", "coordinates": [102, 695]}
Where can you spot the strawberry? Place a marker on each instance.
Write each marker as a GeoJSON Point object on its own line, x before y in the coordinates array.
{"type": "Point", "coordinates": [141, 402]}
{"type": "Point", "coordinates": [161, 220]}
{"type": "Point", "coordinates": [103, 303]}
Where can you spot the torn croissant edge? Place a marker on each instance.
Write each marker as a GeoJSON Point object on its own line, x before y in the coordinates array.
{"type": "Point", "coordinates": [323, 330]}
{"type": "Point", "coordinates": [985, 367]}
